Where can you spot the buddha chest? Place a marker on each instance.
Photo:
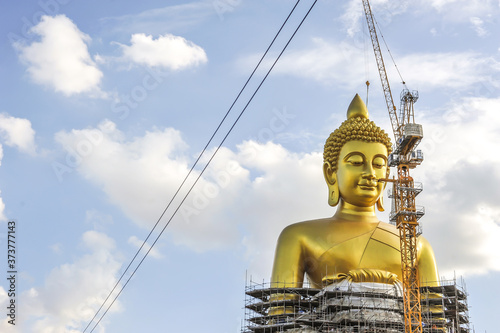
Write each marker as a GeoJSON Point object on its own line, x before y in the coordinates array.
{"type": "Point", "coordinates": [375, 249]}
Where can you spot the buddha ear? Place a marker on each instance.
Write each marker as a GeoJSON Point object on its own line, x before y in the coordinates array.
{"type": "Point", "coordinates": [331, 182]}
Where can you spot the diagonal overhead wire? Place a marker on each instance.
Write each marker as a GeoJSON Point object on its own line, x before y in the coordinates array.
{"type": "Point", "coordinates": [192, 168]}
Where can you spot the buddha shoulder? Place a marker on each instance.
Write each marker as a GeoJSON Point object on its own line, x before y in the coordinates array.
{"type": "Point", "coordinates": [303, 231]}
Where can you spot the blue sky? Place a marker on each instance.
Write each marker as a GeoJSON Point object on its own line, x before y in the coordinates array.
{"type": "Point", "coordinates": [105, 105]}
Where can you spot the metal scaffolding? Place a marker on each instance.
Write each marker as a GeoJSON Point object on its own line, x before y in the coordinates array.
{"type": "Point", "coordinates": [352, 307]}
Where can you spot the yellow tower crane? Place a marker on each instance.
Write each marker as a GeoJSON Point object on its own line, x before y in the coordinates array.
{"type": "Point", "coordinates": [405, 213]}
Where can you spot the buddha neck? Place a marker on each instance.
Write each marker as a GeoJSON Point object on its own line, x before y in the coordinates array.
{"type": "Point", "coordinates": [349, 212]}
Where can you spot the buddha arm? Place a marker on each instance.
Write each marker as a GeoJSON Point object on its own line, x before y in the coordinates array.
{"type": "Point", "coordinates": [288, 268]}
{"type": "Point", "coordinates": [427, 267]}
{"type": "Point", "coordinates": [288, 271]}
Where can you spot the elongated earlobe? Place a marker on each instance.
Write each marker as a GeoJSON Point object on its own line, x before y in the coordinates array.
{"type": "Point", "coordinates": [380, 203]}
{"type": "Point", "coordinates": [333, 196]}
{"type": "Point", "coordinates": [333, 186]}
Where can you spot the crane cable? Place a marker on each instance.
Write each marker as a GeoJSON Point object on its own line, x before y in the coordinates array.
{"type": "Point", "coordinates": [367, 63]}
{"type": "Point", "coordinates": [203, 170]}
{"type": "Point", "coordinates": [389, 51]}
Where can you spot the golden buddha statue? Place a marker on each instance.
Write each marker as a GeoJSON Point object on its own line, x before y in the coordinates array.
{"type": "Point", "coordinates": [352, 244]}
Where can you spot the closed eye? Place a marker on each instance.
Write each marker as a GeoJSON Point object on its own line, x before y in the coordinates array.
{"type": "Point", "coordinates": [378, 163]}
{"type": "Point", "coordinates": [355, 159]}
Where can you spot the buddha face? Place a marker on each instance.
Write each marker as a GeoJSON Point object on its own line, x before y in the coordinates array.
{"type": "Point", "coordinates": [360, 165]}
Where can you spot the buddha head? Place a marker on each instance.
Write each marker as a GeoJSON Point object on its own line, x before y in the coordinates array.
{"type": "Point", "coordinates": [355, 158]}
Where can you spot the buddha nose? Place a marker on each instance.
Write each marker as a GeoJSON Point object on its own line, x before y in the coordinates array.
{"type": "Point", "coordinates": [369, 172]}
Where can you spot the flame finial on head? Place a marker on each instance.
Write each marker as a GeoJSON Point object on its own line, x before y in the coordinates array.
{"type": "Point", "coordinates": [357, 108]}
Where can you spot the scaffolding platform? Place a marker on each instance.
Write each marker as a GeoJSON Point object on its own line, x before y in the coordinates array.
{"type": "Point", "coordinates": [418, 213]}
{"type": "Point", "coordinates": [346, 308]}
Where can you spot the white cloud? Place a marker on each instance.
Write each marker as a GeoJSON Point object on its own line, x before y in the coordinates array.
{"type": "Point", "coordinates": [4, 322]}
{"type": "Point", "coordinates": [352, 17]}
{"type": "Point", "coordinates": [158, 20]}
{"type": "Point", "coordinates": [382, 10]}
{"type": "Point", "coordinates": [56, 248]}
{"type": "Point", "coordinates": [72, 292]}
{"type": "Point", "coordinates": [2, 205]}
{"type": "Point", "coordinates": [61, 58]}
{"type": "Point", "coordinates": [460, 10]}
{"type": "Point", "coordinates": [454, 11]}
{"type": "Point", "coordinates": [137, 243]}
{"type": "Point", "coordinates": [460, 175]}
{"type": "Point", "coordinates": [343, 64]}
{"type": "Point", "coordinates": [169, 51]}
{"type": "Point", "coordinates": [478, 25]}
{"type": "Point", "coordinates": [17, 132]}
{"type": "Point", "coordinates": [98, 220]}
{"type": "Point", "coordinates": [2, 210]}
{"type": "Point", "coordinates": [440, 4]}
{"type": "Point", "coordinates": [446, 70]}
{"type": "Point", "coordinates": [142, 174]}
{"type": "Point", "coordinates": [323, 61]}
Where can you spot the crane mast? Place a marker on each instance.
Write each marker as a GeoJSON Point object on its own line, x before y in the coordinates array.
{"type": "Point", "coordinates": [405, 213]}
{"type": "Point", "coordinates": [381, 68]}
